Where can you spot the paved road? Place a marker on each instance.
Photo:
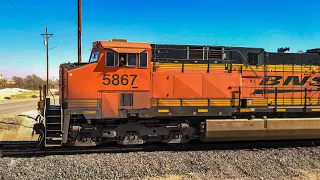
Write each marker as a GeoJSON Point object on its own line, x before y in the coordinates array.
{"type": "Point", "coordinates": [16, 107]}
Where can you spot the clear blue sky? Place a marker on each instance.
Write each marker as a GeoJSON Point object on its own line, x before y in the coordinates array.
{"type": "Point", "coordinates": [259, 23]}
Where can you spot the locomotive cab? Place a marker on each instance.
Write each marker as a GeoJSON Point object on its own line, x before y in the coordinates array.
{"type": "Point", "coordinates": [113, 86]}
{"type": "Point", "coordinates": [113, 81]}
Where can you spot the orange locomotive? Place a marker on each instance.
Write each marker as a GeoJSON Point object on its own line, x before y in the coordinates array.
{"type": "Point", "coordinates": [133, 93]}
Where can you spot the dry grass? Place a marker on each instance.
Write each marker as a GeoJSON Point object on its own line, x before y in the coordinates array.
{"type": "Point", "coordinates": [25, 95]}
{"type": "Point", "coordinates": [31, 94]}
{"type": "Point", "coordinates": [310, 174]}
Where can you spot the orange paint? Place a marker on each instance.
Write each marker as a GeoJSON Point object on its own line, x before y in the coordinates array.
{"type": "Point", "coordinates": [95, 80]}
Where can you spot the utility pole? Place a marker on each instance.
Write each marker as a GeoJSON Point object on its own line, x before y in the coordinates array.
{"type": "Point", "coordinates": [47, 36]}
{"type": "Point", "coordinates": [79, 29]}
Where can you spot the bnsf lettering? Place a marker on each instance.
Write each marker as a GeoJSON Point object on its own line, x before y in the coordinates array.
{"type": "Point", "coordinates": [275, 80]}
{"type": "Point", "coordinates": [315, 81]}
{"type": "Point", "coordinates": [296, 80]}
{"type": "Point", "coordinates": [116, 79]}
{"type": "Point", "coordinates": [271, 80]}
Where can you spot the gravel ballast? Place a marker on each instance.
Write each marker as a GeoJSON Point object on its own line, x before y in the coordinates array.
{"type": "Point", "coordinates": [290, 163]}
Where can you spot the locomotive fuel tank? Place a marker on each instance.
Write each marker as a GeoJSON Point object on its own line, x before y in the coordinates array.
{"type": "Point", "coordinates": [261, 129]}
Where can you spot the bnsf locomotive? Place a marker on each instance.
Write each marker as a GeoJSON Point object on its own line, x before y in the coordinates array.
{"type": "Point", "coordinates": [135, 93]}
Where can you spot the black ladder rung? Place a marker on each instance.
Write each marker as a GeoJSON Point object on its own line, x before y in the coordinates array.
{"type": "Point", "coordinates": [53, 134]}
{"type": "Point", "coordinates": [54, 116]}
{"type": "Point", "coordinates": [50, 113]}
{"type": "Point", "coordinates": [53, 119]}
{"type": "Point", "coordinates": [53, 142]}
{"type": "Point", "coordinates": [54, 107]}
{"type": "Point", "coordinates": [54, 138]}
{"type": "Point", "coordinates": [53, 123]}
{"type": "Point", "coordinates": [53, 130]}
{"type": "Point", "coordinates": [56, 131]}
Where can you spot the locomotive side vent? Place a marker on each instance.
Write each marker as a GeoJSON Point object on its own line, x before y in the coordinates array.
{"type": "Point", "coordinates": [253, 58]}
{"type": "Point", "coordinates": [126, 99]}
{"type": "Point", "coordinates": [215, 53]}
{"type": "Point", "coordinates": [196, 53]}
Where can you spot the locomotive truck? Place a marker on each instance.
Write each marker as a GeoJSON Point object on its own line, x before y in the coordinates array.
{"type": "Point", "coordinates": [133, 93]}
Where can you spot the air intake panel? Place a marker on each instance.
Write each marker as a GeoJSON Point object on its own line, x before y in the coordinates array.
{"type": "Point", "coordinates": [317, 50]}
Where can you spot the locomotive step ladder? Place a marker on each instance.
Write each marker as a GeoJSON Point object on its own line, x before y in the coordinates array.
{"type": "Point", "coordinates": [53, 133]}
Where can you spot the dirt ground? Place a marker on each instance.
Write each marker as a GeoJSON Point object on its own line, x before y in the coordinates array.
{"type": "Point", "coordinates": [315, 174]}
{"type": "Point", "coordinates": [17, 129]}
{"type": "Point", "coordinates": [307, 174]}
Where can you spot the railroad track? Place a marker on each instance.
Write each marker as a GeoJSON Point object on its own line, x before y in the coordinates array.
{"type": "Point", "coordinates": [17, 144]}
{"type": "Point", "coordinates": [28, 149]}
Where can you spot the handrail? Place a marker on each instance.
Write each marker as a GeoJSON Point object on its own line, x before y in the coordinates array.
{"type": "Point", "coordinates": [274, 86]}
{"type": "Point", "coordinates": [184, 49]}
{"type": "Point", "coordinates": [241, 55]}
{"type": "Point", "coordinates": [304, 98]}
{"type": "Point", "coordinates": [201, 60]}
{"type": "Point", "coordinates": [247, 61]}
{"type": "Point", "coordinates": [54, 101]}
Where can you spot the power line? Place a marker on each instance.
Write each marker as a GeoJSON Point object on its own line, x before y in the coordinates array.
{"type": "Point", "coordinates": [16, 7]}
{"type": "Point", "coordinates": [22, 22]}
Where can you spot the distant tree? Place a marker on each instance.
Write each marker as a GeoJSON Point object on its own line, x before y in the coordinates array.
{"type": "Point", "coordinates": [33, 82]}
{"type": "Point", "coordinates": [18, 82]}
{"type": "Point", "coordinates": [54, 84]}
{"type": "Point", "coordinates": [3, 83]}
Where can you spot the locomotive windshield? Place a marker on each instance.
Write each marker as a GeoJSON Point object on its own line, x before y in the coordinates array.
{"type": "Point", "coordinates": [94, 56]}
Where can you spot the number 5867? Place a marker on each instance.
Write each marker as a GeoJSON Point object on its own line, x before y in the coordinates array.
{"type": "Point", "coordinates": [116, 79]}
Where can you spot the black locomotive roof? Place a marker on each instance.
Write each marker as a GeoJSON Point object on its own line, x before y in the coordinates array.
{"type": "Point", "coordinates": [238, 55]}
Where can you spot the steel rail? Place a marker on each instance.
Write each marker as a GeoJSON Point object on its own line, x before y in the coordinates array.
{"type": "Point", "coordinates": [193, 146]}
{"type": "Point", "coordinates": [17, 144]}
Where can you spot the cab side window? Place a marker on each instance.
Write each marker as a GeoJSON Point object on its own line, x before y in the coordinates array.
{"type": "Point", "coordinates": [132, 59]}
{"type": "Point", "coordinates": [138, 60]}
{"type": "Point", "coordinates": [122, 59]}
{"type": "Point", "coordinates": [143, 60]}
{"type": "Point", "coordinates": [110, 59]}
